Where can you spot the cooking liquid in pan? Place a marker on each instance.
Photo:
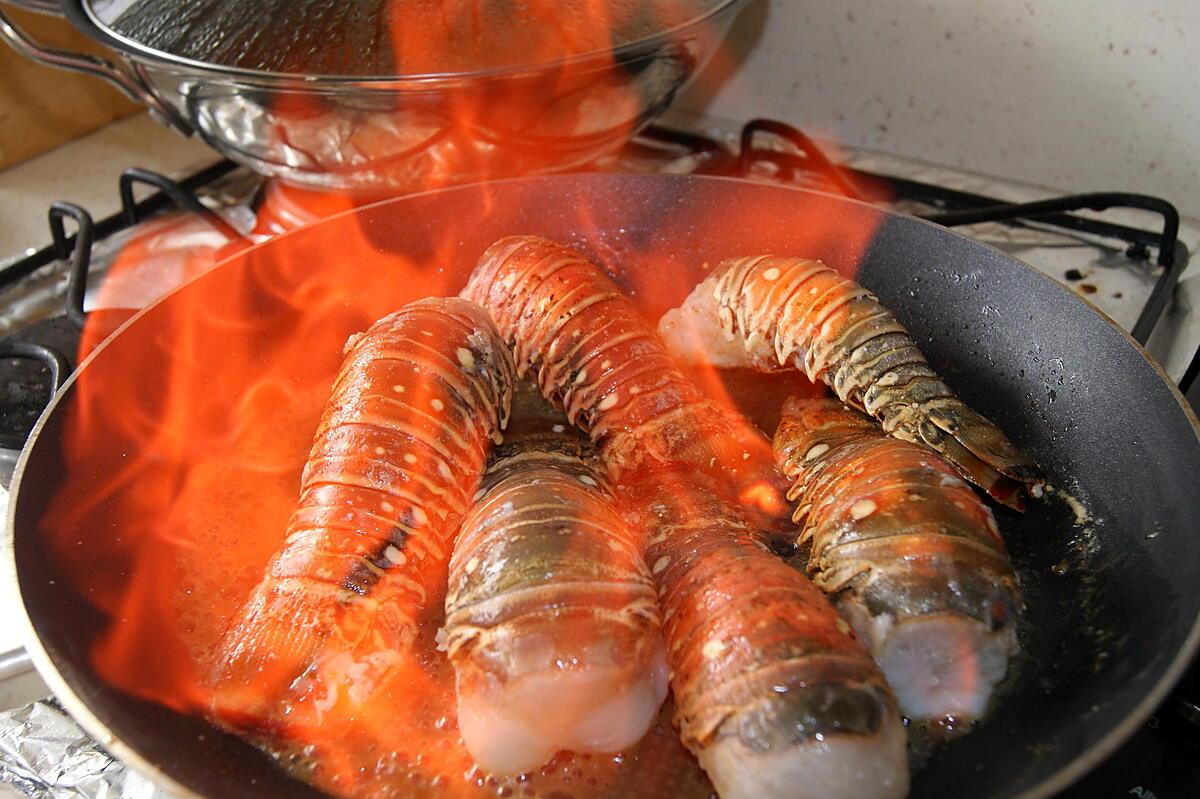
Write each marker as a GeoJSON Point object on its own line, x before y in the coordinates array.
{"type": "Point", "coordinates": [369, 726]}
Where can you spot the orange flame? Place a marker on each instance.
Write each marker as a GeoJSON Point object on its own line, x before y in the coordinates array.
{"type": "Point", "coordinates": [183, 452]}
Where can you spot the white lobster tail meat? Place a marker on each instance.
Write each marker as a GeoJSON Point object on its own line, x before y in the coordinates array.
{"type": "Point", "coordinates": [517, 726]}
{"type": "Point", "coordinates": [911, 554]}
{"type": "Point", "coordinates": [551, 619]}
{"type": "Point", "coordinates": [835, 765]}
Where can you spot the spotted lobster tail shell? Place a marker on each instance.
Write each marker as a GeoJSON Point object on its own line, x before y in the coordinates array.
{"type": "Point", "coordinates": [911, 554]}
{"type": "Point", "coordinates": [800, 312]}
{"type": "Point", "coordinates": [761, 663]}
{"type": "Point", "coordinates": [773, 691]}
{"type": "Point", "coordinates": [398, 454]}
{"type": "Point", "coordinates": [597, 358]}
{"type": "Point", "coordinates": [549, 598]}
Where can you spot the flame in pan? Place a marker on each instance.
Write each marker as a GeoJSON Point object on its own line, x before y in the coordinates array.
{"type": "Point", "coordinates": [183, 454]}
{"type": "Point", "coordinates": [183, 448]}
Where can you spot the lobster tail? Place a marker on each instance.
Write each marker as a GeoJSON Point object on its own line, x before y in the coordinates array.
{"type": "Point", "coordinates": [912, 556]}
{"type": "Point", "coordinates": [771, 685]}
{"type": "Point", "coordinates": [799, 312]}
{"type": "Point", "coordinates": [550, 605]}
{"type": "Point", "coordinates": [399, 452]}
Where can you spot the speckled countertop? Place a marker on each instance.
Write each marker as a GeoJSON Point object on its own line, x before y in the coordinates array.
{"type": "Point", "coordinates": [1096, 96]}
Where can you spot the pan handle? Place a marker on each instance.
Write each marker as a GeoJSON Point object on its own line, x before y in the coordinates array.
{"type": "Point", "coordinates": [130, 84]}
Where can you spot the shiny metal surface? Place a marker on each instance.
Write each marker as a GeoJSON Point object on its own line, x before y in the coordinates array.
{"type": "Point", "coordinates": [403, 139]}
{"type": "Point", "coordinates": [126, 80]}
{"type": "Point", "coordinates": [14, 663]}
{"type": "Point", "coordinates": [401, 39]}
{"type": "Point", "coordinates": [408, 133]}
{"type": "Point", "coordinates": [45, 755]}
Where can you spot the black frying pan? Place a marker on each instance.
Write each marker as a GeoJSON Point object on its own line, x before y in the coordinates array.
{"type": "Point", "coordinates": [1112, 609]}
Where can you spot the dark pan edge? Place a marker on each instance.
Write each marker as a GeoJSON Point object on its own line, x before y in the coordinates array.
{"type": "Point", "coordinates": [79, 710]}
{"type": "Point", "coordinates": [1094, 755]}
{"type": "Point", "coordinates": [62, 690]}
{"type": "Point", "coordinates": [1118, 735]}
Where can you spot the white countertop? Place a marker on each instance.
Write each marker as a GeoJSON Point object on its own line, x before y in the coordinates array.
{"type": "Point", "coordinates": [85, 172]}
{"type": "Point", "coordinates": [1096, 96]}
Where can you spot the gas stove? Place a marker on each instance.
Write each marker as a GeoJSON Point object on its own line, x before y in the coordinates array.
{"type": "Point", "coordinates": [1125, 253]}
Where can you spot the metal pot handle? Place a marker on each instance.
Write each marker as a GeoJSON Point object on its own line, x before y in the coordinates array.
{"type": "Point", "coordinates": [130, 85]}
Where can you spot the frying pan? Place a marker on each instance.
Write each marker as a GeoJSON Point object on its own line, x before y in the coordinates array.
{"type": "Point", "coordinates": [1113, 600]}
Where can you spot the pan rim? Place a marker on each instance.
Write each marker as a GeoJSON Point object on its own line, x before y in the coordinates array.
{"type": "Point", "coordinates": [81, 712]}
{"type": "Point", "coordinates": [84, 16]}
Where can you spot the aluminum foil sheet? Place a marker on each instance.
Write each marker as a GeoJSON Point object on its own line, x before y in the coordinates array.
{"type": "Point", "coordinates": [44, 754]}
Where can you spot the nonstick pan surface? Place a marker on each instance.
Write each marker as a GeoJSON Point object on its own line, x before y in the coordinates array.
{"type": "Point", "coordinates": [1112, 595]}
